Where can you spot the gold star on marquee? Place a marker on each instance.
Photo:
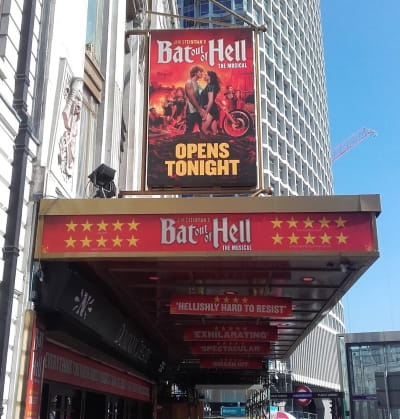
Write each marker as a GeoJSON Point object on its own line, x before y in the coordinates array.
{"type": "Point", "coordinates": [324, 222]}
{"type": "Point", "coordinates": [226, 300]}
{"type": "Point", "coordinates": [70, 242]}
{"type": "Point", "coordinates": [276, 223]}
{"type": "Point", "coordinates": [132, 241]}
{"type": "Point", "coordinates": [71, 226]}
{"type": "Point", "coordinates": [117, 225]}
{"type": "Point", "coordinates": [235, 299]}
{"type": "Point", "coordinates": [244, 300]}
{"type": "Point", "coordinates": [117, 241]}
{"type": "Point", "coordinates": [86, 226]}
{"type": "Point", "coordinates": [277, 239]}
{"type": "Point", "coordinates": [308, 223]}
{"type": "Point", "coordinates": [133, 225]}
{"type": "Point", "coordinates": [293, 239]}
{"type": "Point", "coordinates": [292, 223]}
{"type": "Point", "coordinates": [101, 242]}
{"type": "Point", "coordinates": [102, 226]}
{"type": "Point", "coordinates": [309, 239]}
{"type": "Point", "coordinates": [340, 222]}
{"type": "Point", "coordinates": [216, 299]}
{"type": "Point", "coordinates": [325, 239]}
{"type": "Point", "coordinates": [86, 242]}
{"type": "Point", "coordinates": [341, 238]}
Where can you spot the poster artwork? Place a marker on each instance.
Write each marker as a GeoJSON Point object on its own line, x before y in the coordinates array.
{"type": "Point", "coordinates": [201, 121]}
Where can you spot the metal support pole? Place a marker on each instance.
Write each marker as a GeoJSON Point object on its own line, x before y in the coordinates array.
{"type": "Point", "coordinates": [17, 187]}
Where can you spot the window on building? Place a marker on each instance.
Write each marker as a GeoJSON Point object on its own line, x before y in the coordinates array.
{"type": "Point", "coordinates": [269, 92]}
{"type": "Point", "coordinates": [279, 102]}
{"type": "Point", "coordinates": [218, 10]}
{"type": "Point", "coordinates": [265, 156]}
{"type": "Point", "coordinates": [286, 67]}
{"type": "Point", "coordinates": [4, 21]}
{"type": "Point", "coordinates": [270, 140]}
{"type": "Point", "coordinates": [204, 8]}
{"type": "Point", "coordinates": [277, 57]}
{"type": "Point", "coordinates": [290, 179]}
{"type": "Point", "coordinates": [279, 79]}
{"type": "Point", "coordinates": [275, 15]}
{"type": "Point", "coordinates": [298, 186]}
{"type": "Point", "coordinates": [270, 116]}
{"type": "Point", "coordinates": [269, 70]}
{"type": "Point", "coordinates": [268, 48]}
{"type": "Point", "coordinates": [286, 89]}
{"type": "Point", "coordinates": [282, 172]}
{"type": "Point", "coordinates": [297, 162]}
{"type": "Point", "coordinates": [279, 125]}
{"type": "Point", "coordinates": [272, 165]}
{"type": "Point", "coordinates": [276, 37]}
{"type": "Point", "coordinates": [238, 6]}
{"type": "Point", "coordinates": [94, 28]}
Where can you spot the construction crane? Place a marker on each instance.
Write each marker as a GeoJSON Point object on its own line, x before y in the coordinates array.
{"type": "Point", "coordinates": [351, 142]}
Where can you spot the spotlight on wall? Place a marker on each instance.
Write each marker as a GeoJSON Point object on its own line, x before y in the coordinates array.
{"type": "Point", "coordinates": [264, 192]}
{"type": "Point", "coordinates": [102, 179]}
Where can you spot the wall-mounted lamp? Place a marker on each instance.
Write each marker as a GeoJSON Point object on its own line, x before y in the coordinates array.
{"type": "Point", "coordinates": [102, 179]}
{"type": "Point", "coordinates": [262, 192]}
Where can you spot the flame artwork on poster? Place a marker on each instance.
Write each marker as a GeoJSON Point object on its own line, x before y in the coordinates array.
{"type": "Point", "coordinates": [201, 113]}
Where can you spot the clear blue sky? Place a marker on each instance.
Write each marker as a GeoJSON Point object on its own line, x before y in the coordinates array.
{"type": "Point", "coordinates": [362, 59]}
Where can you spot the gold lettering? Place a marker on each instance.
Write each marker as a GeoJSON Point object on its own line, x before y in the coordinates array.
{"type": "Point", "coordinates": [209, 167]}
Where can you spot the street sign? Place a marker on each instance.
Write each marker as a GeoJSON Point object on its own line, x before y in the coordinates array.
{"type": "Point", "coordinates": [304, 390]}
{"type": "Point", "coordinates": [233, 411]}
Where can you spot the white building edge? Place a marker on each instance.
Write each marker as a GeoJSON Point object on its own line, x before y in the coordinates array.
{"type": "Point", "coordinates": [73, 79]}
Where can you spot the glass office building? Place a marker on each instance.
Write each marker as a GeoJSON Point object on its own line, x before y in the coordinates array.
{"type": "Point", "coordinates": [294, 133]}
{"type": "Point", "coordinates": [370, 363]}
{"type": "Point", "coordinates": [294, 119]}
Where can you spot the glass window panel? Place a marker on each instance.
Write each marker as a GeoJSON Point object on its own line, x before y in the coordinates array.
{"type": "Point", "coordinates": [94, 27]}
{"type": "Point", "coordinates": [393, 357]}
{"type": "Point", "coordinates": [204, 8]}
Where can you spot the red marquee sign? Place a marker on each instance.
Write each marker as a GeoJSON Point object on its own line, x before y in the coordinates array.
{"type": "Point", "coordinates": [219, 305]}
{"type": "Point", "coordinates": [133, 235]}
{"type": "Point", "coordinates": [68, 367]}
{"type": "Point", "coordinates": [231, 363]}
{"type": "Point", "coordinates": [230, 348]}
{"type": "Point", "coordinates": [230, 333]}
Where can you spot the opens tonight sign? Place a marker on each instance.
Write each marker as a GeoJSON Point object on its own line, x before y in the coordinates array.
{"type": "Point", "coordinates": [201, 121]}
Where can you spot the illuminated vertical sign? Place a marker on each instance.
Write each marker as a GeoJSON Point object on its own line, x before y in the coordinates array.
{"type": "Point", "coordinates": [35, 373]}
{"type": "Point", "coordinates": [201, 110]}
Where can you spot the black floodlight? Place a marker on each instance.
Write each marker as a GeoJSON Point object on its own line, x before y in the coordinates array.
{"type": "Point", "coordinates": [103, 180]}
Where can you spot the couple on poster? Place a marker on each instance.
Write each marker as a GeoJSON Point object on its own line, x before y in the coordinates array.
{"type": "Point", "coordinates": [202, 108]}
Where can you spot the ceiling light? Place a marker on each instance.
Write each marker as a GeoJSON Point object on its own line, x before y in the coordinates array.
{"type": "Point", "coordinates": [154, 278]}
{"type": "Point", "coordinates": [308, 278]}
{"type": "Point", "coordinates": [230, 292]}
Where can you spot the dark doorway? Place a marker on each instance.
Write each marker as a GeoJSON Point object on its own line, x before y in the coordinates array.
{"type": "Point", "coordinates": [60, 402]}
{"type": "Point", "coordinates": [95, 406]}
